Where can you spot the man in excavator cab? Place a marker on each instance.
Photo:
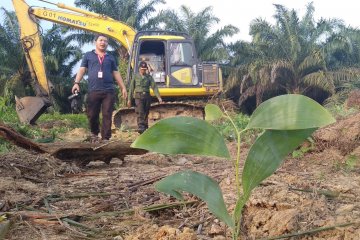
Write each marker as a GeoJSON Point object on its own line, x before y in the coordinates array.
{"type": "Point", "coordinates": [102, 69]}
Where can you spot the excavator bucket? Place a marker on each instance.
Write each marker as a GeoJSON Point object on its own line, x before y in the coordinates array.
{"type": "Point", "coordinates": [29, 109]}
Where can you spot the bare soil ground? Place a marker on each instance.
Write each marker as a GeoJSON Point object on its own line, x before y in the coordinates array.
{"type": "Point", "coordinates": [46, 198]}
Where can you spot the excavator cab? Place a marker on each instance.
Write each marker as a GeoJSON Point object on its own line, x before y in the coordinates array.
{"type": "Point", "coordinates": [172, 60]}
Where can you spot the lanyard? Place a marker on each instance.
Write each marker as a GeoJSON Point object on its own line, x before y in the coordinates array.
{"type": "Point", "coordinates": [101, 60]}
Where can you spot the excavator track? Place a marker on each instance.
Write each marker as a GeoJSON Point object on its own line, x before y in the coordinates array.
{"type": "Point", "coordinates": [126, 118]}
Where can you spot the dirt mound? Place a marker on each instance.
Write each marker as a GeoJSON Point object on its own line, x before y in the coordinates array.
{"type": "Point", "coordinates": [343, 135]}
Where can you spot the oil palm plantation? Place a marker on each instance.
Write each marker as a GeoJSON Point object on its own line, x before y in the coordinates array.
{"type": "Point", "coordinates": [288, 57]}
{"type": "Point", "coordinates": [343, 55]}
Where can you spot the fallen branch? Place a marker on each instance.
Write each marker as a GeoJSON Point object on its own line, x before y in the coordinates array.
{"type": "Point", "coordinates": [132, 187]}
{"type": "Point", "coordinates": [77, 224]}
{"type": "Point", "coordinates": [27, 215]}
{"type": "Point", "coordinates": [39, 215]}
{"type": "Point", "coordinates": [326, 193]}
{"type": "Point", "coordinates": [45, 222]}
{"type": "Point", "coordinates": [312, 231]}
{"type": "Point", "coordinates": [12, 136]}
{"type": "Point", "coordinates": [151, 208]}
{"type": "Point", "coordinates": [79, 152]}
{"type": "Point", "coordinates": [56, 198]}
{"type": "Point", "coordinates": [83, 174]}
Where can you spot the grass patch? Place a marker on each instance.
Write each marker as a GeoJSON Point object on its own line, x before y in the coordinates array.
{"type": "Point", "coordinates": [340, 111]}
{"type": "Point", "coordinates": [56, 124]}
{"type": "Point", "coordinates": [72, 120]}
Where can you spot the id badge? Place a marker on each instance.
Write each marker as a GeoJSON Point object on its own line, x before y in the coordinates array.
{"type": "Point", "coordinates": [100, 74]}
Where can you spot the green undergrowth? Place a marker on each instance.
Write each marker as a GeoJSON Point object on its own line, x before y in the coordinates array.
{"type": "Point", "coordinates": [350, 164]}
{"type": "Point", "coordinates": [340, 111]}
{"type": "Point", "coordinates": [47, 129]}
{"type": "Point", "coordinates": [72, 120]}
{"type": "Point", "coordinates": [226, 128]}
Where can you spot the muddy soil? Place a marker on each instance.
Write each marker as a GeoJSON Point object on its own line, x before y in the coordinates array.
{"type": "Point", "coordinates": [46, 198]}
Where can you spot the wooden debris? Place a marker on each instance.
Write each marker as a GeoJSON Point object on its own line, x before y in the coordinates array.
{"type": "Point", "coordinates": [80, 153]}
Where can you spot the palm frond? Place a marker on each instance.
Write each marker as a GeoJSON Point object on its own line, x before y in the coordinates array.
{"type": "Point", "coordinates": [321, 80]}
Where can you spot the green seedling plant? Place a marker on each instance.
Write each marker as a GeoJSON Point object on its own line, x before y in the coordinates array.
{"type": "Point", "coordinates": [286, 121]}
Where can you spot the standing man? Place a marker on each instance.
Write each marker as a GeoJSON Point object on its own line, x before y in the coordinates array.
{"type": "Point", "coordinates": [140, 90]}
{"type": "Point", "coordinates": [102, 70]}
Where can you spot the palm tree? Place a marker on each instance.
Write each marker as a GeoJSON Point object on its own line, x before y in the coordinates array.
{"type": "Point", "coordinates": [14, 74]}
{"type": "Point", "coordinates": [61, 56]}
{"type": "Point", "coordinates": [289, 57]}
{"type": "Point", "coordinates": [343, 55]}
{"type": "Point", "coordinates": [343, 48]}
{"type": "Point", "coordinates": [210, 45]}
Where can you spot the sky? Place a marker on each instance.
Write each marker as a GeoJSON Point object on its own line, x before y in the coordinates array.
{"type": "Point", "coordinates": [243, 12]}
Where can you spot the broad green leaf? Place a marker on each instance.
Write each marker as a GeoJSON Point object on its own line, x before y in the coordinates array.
{"type": "Point", "coordinates": [290, 112]}
{"type": "Point", "coordinates": [267, 153]}
{"type": "Point", "coordinates": [183, 135]}
{"type": "Point", "coordinates": [199, 185]}
{"type": "Point", "coordinates": [212, 112]}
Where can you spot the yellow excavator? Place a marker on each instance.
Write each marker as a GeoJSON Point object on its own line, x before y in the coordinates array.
{"type": "Point", "coordinates": [171, 56]}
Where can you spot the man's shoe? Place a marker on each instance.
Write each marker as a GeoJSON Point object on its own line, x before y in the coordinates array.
{"type": "Point", "coordinates": [94, 139]}
{"type": "Point", "coordinates": [141, 130]}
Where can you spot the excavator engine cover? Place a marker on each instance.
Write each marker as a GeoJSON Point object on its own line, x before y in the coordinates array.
{"type": "Point", "coordinates": [29, 109]}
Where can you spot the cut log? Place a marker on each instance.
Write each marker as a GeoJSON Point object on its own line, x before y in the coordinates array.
{"type": "Point", "coordinates": [78, 152]}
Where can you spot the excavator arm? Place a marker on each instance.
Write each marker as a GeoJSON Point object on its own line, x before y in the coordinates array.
{"type": "Point", "coordinates": [30, 108]}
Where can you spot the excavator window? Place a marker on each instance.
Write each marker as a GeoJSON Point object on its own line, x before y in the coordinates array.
{"type": "Point", "coordinates": [183, 68]}
{"type": "Point", "coordinates": [181, 53]}
{"type": "Point", "coordinates": [153, 53]}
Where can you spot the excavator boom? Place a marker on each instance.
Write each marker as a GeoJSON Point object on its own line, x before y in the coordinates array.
{"type": "Point", "coordinates": [88, 21]}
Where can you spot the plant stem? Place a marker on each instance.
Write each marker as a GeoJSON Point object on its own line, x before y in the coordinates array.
{"type": "Point", "coordinates": [241, 199]}
{"type": "Point", "coordinates": [237, 162]}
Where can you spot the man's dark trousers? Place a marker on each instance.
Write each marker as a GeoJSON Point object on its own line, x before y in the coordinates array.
{"type": "Point", "coordinates": [142, 108]}
{"type": "Point", "coordinates": [104, 101]}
